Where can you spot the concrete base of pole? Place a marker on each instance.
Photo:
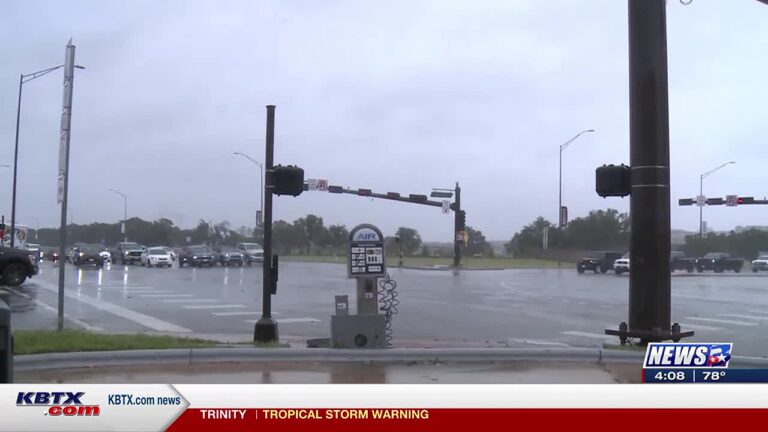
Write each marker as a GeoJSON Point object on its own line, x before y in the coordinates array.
{"type": "Point", "coordinates": [265, 331]}
{"type": "Point", "coordinates": [656, 335]}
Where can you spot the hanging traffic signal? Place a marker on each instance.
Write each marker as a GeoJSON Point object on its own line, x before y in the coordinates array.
{"type": "Point", "coordinates": [287, 180]}
{"type": "Point", "coordinates": [686, 201]}
{"type": "Point", "coordinates": [417, 198]}
{"type": "Point", "coordinates": [746, 200]}
{"type": "Point", "coordinates": [335, 189]}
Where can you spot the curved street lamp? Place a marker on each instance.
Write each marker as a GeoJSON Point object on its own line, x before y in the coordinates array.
{"type": "Point", "coordinates": [125, 212]}
{"type": "Point", "coordinates": [701, 193]}
{"type": "Point", "coordinates": [261, 184]}
{"type": "Point", "coordinates": [563, 146]}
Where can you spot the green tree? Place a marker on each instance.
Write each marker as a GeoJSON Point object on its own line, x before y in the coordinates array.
{"type": "Point", "coordinates": [286, 237]}
{"type": "Point", "coordinates": [338, 237]}
{"type": "Point", "coordinates": [410, 240]}
{"type": "Point", "coordinates": [477, 244]}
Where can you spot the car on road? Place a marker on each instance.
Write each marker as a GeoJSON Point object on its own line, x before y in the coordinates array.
{"type": "Point", "coordinates": [621, 265]}
{"type": "Point", "coordinates": [106, 255]}
{"type": "Point", "coordinates": [252, 252]}
{"type": "Point", "coordinates": [34, 248]}
{"type": "Point", "coordinates": [16, 265]}
{"type": "Point", "coordinates": [228, 256]}
{"type": "Point", "coordinates": [719, 262]}
{"type": "Point", "coordinates": [761, 263]}
{"type": "Point", "coordinates": [156, 257]}
{"type": "Point", "coordinates": [197, 256]}
{"type": "Point", "coordinates": [600, 261]}
{"type": "Point", "coordinates": [127, 253]}
{"type": "Point", "coordinates": [170, 251]}
{"type": "Point", "coordinates": [678, 261]}
{"type": "Point", "coordinates": [87, 255]}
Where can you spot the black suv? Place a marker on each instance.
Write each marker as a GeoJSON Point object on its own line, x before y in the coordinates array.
{"type": "Point", "coordinates": [719, 262]}
{"type": "Point", "coordinates": [196, 256]}
{"type": "Point", "coordinates": [601, 261]}
{"type": "Point", "coordinates": [88, 254]}
{"type": "Point", "coordinates": [678, 261]}
{"type": "Point", "coordinates": [16, 266]}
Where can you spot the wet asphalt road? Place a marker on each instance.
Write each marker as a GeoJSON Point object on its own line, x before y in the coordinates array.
{"type": "Point", "coordinates": [534, 307]}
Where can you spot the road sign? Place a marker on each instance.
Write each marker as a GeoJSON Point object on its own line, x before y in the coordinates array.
{"type": "Point", "coordinates": [312, 184]}
{"type": "Point", "coordinates": [322, 185]}
{"type": "Point", "coordinates": [446, 206]}
{"type": "Point", "coordinates": [731, 200]}
{"type": "Point", "coordinates": [366, 252]}
{"type": "Point", "coordinates": [563, 216]}
{"type": "Point", "coordinates": [701, 200]}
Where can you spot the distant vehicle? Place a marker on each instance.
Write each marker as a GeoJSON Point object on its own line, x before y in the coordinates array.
{"type": "Point", "coordinates": [228, 256]}
{"type": "Point", "coordinates": [16, 265]}
{"type": "Point", "coordinates": [127, 253]}
{"type": "Point", "coordinates": [170, 251]}
{"type": "Point", "coordinates": [87, 254]}
{"type": "Point", "coordinates": [106, 255]}
{"type": "Point", "coordinates": [678, 261]}
{"type": "Point", "coordinates": [761, 263]}
{"type": "Point", "coordinates": [196, 256]}
{"type": "Point", "coordinates": [34, 248]}
{"type": "Point", "coordinates": [719, 262]}
{"type": "Point", "coordinates": [252, 252]}
{"type": "Point", "coordinates": [50, 254]}
{"type": "Point", "coordinates": [156, 257]}
{"type": "Point", "coordinates": [601, 261]}
{"type": "Point", "coordinates": [621, 265]}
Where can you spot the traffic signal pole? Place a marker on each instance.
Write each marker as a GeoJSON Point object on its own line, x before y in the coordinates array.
{"type": "Point", "coordinates": [650, 242]}
{"type": "Point", "coordinates": [456, 228]}
{"type": "Point", "coordinates": [265, 329]}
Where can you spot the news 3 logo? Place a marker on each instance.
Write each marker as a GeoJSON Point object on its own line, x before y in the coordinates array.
{"type": "Point", "coordinates": [58, 403]}
{"type": "Point", "coordinates": [687, 355]}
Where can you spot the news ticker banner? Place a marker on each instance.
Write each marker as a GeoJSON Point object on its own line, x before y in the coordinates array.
{"type": "Point", "coordinates": [368, 407]}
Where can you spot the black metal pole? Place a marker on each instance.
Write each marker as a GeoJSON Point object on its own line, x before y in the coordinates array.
{"type": "Point", "coordinates": [16, 164]}
{"type": "Point", "coordinates": [456, 228]}
{"type": "Point", "coordinates": [265, 330]}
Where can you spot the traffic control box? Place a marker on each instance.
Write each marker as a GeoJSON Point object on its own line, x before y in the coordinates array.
{"type": "Point", "coordinates": [6, 340]}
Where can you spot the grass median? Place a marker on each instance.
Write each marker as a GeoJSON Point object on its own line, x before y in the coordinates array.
{"type": "Point", "coordinates": [47, 341]}
{"type": "Point", "coordinates": [469, 263]}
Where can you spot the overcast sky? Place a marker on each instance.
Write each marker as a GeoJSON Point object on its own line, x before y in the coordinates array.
{"type": "Point", "coordinates": [395, 96]}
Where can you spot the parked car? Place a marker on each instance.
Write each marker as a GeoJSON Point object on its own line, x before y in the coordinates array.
{"type": "Point", "coordinates": [601, 261]}
{"type": "Point", "coordinates": [621, 265]}
{"type": "Point", "coordinates": [127, 253]}
{"type": "Point", "coordinates": [196, 256]}
{"type": "Point", "coordinates": [16, 265]}
{"type": "Point", "coordinates": [156, 257]}
{"type": "Point", "coordinates": [228, 256]}
{"type": "Point", "coordinates": [678, 261]}
{"type": "Point", "coordinates": [252, 252]}
{"type": "Point", "coordinates": [87, 255]}
{"type": "Point", "coordinates": [761, 263]}
{"type": "Point", "coordinates": [719, 262]}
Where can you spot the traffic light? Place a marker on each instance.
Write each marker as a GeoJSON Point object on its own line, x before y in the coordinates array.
{"type": "Point", "coordinates": [715, 201]}
{"type": "Point", "coordinates": [364, 192]}
{"type": "Point", "coordinates": [686, 201]}
{"type": "Point", "coordinates": [746, 200]}
{"type": "Point", "coordinates": [393, 195]}
{"type": "Point", "coordinates": [462, 220]}
{"type": "Point", "coordinates": [287, 180]}
{"type": "Point", "coordinates": [613, 180]}
{"type": "Point", "coordinates": [335, 189]}
{"type": "Point", "coordinates": [417, 198]}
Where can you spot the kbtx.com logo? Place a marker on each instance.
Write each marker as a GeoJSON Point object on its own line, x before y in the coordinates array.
{"type": "Point", "coordinates": [58, 403]}
{"type": "Point", "coordinates": [687, 355]}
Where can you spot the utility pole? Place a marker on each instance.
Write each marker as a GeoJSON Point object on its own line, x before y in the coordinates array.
{"type": "Point", "coordinates": [66, 123]}
{"type": "Point", "coordinates": [265, 330]}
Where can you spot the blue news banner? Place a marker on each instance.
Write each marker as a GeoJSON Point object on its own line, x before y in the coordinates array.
{"type": "Point", "coordinates": [706, 375]}
{"type": "Point", "coordinates": [695, 363]}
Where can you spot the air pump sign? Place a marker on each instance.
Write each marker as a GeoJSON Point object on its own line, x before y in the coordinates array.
{"type": "Point", "coordinates": [366, 252]}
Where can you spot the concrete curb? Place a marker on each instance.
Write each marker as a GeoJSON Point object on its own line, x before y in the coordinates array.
{"type": "Point", "coordinates": [36, 362]}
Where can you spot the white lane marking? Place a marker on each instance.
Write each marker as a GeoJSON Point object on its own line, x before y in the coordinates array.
{"type": "Point", "coordinates": [744, 316]}
{"type": "Point", "coordinates": [290, 320]}
{"type": "Point", "coordinates": [722, 321]}
{"type": "Point", "coordinates": [588, 335]}
{"type": "Point", "coordinates": [241, 313]}
{"type": "Point", "coordinates": [45, 306]}
{"type": "Point", "coordinates": [166, 295]}
{"type": "Point", "coordinates": [137, 317]}
{"type": "Point", "coordinates": [224, 306]}
{"type": "Point", "coordinates": [190, 301]}
{"type": "Point", "coordinates": [698, 326]}
{"type": "Point", "coordinates": [756, 311]}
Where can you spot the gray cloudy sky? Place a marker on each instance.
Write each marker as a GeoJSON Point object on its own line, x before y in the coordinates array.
{"type": "Point", "coordinates": [396, 96]}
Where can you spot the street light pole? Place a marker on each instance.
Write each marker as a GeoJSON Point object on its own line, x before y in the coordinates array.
{"type": "Point", "coordinates": [23, 78]}
{"type": "Point", "coordinates": [701, 193]}
{"type": "Point", "coordinates": [125, 213]}
{"type": "Point", "coordinates": [261, 183]}
{"type": "Point", "coordinates": [560, 194]}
